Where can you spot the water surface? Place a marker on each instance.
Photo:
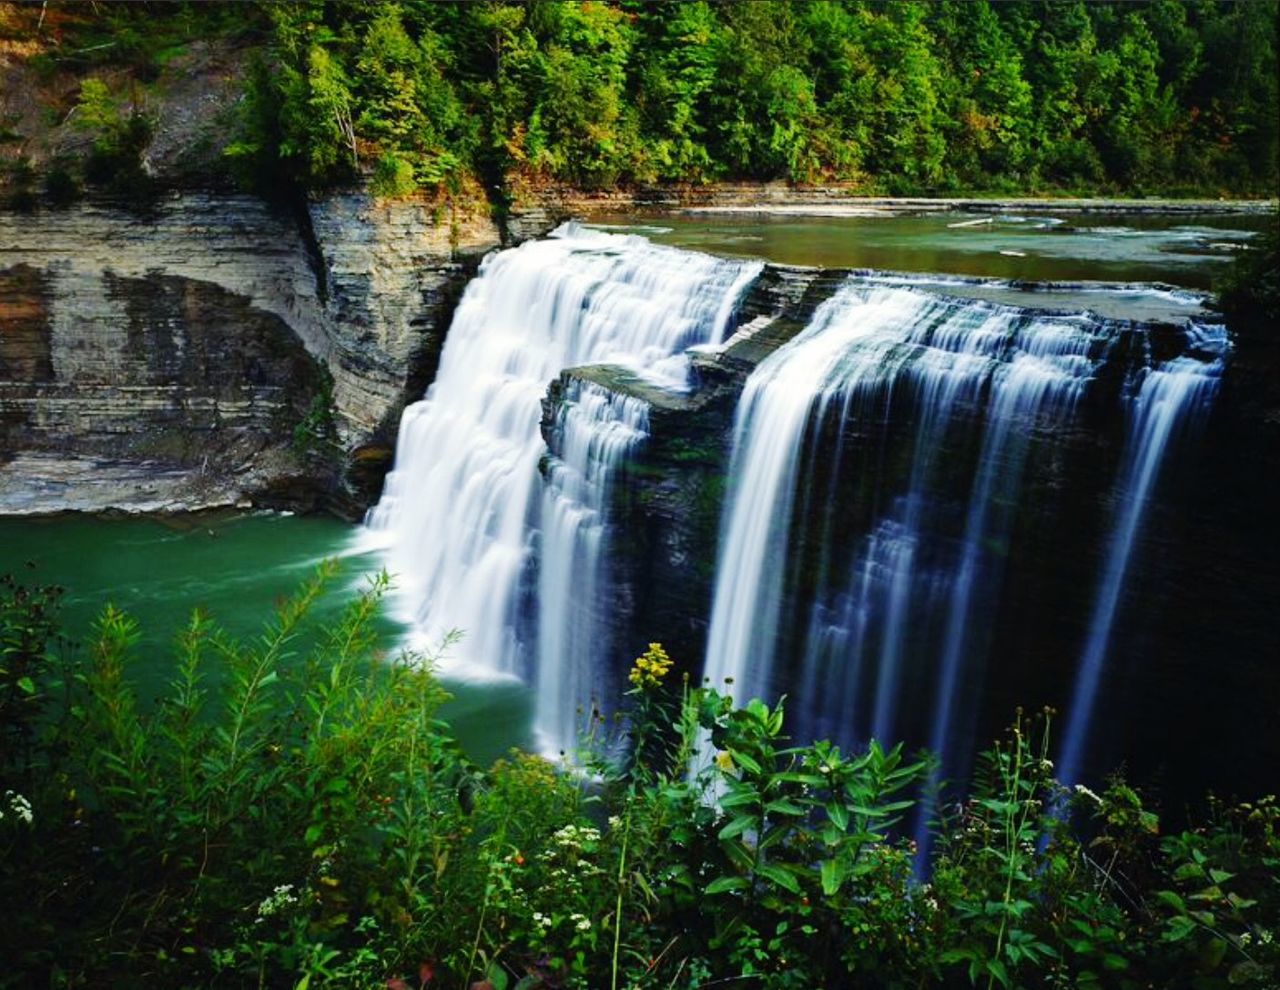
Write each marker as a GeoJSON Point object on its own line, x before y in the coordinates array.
{"type": "Point", "coordinates": [236, 567]}
{"type": "Point", "coordinates": [1184, 250]}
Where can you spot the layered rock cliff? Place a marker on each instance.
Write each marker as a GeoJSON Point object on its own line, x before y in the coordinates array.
{"type": "Point", "coordinates": [229, 349]}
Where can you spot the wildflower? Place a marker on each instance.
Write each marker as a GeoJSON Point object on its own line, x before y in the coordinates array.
{"type": "Point", "coordinates": [648, 670]}
{"type": "Point", "coordinates": [1085, 792]}
{"type": "Point", "coordinates": [19, 806]}
{"type": "Point", "coordinates": [724, 761]}
{"type": "Point", "coordinates": [582, 922]}
{"type": "Point", "coordinates": [278, 900]}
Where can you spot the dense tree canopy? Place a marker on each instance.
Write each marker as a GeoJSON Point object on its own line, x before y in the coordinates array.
{"type": "Point", "coordinates": [1136, 96]}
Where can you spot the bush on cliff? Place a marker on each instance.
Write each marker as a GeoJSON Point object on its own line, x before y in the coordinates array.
{"type": "Point", "coordinates": [293, 817]}
{"type": "Point", "coordinates": [1249, 291]}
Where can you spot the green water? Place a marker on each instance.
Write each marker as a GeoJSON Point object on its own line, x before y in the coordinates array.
{"type": "Point", "coordinates": [1183, 250]}
{"type": "Point", "coordinates": [235, 567]}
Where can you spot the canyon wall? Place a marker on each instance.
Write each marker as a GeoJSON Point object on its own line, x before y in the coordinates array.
{"type": "Point", "coordinates": [207, 348]}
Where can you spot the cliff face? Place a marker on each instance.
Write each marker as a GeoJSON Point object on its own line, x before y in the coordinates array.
{"type": "Point", "coordinates": [197, 334]}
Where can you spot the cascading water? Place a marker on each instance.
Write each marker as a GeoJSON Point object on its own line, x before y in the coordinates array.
{"type": "Point", "coordinates": [867, 349]}
{"type": "Point", "coordinates": [1169, 398]}
{"type": "Point", "coordinates": [776, 406]}
{"type": "Point", "coordinates": [596, 431]}
{"type": "Point", "coordinates": [459, 514]}
{"type": "Point", "coordinates": [876, 477]}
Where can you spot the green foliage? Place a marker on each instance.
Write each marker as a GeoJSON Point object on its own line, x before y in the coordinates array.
{"type": "Point", "coordinates": [119, 137]}
{"type": "Point", "coordinates": [28, 627]}
{"type": "Point", "coordinates": [292, 812]}
{"type": "Point", "coordinates": [1249, 291]}
{"type": "Point", "coordinates": [905, 97]}
{"type": "Point", "coordinates": [316, 431]}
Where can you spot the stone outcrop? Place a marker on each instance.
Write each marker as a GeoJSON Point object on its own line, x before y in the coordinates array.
{"type": "Point", "coordinates": [202, 329]}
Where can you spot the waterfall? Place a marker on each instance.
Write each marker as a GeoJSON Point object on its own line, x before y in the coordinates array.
{"type": "Point", "coordinates": [877, 476]}
{"type": "Point", "coordinates": [459, 515]}
{"type": "Point", "coordinates": [596, 431]}
{"type": "Point", "coordinates": [1169, 397]}
{"type": "Point", "coordinates": [871, 357]}
{"type": "Point", "coordinates": [777, 401]}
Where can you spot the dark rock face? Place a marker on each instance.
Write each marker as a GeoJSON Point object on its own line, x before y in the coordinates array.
{"type": "Point", "coordinates": [157, 336]}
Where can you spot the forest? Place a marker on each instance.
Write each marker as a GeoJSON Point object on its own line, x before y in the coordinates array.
{"type": "Point", "coordinates": [1164, 96]}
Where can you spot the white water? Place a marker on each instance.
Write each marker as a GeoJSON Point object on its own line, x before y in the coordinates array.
{"type": "Point", "coordinates": [459, 515]}
{"type": "Point", "coordinates": [815, 367]}
{"type": "Point", "coordinates": [596, 431]}
{"type": "Point", "coordinates": [1169, 397]}
{"type": "Point", "coordinates": [906, 627]}
{"type": "Point", "coordinates": [867, 349]}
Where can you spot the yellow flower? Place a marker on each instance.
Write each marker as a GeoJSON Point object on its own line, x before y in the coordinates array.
{"type": "Point", "coordinates": [649, 670]}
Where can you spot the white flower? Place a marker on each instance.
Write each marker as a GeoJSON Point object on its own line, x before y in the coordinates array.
{"type": "Point", "coordinates": [18, 805]}
{"type": "Point", "coordinates": [583, 923]}
{"type": "Point", "coordinates": [279, 899]}
{"type": "Point", "coordinates": [1085, 792]}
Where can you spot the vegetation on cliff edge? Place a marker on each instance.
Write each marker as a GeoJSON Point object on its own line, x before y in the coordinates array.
{"type": "Point", "coordinates": [1017, 96]}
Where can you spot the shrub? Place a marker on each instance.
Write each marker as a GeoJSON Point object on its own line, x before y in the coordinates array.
{"type": "Point", "coordinates": [293, 812]}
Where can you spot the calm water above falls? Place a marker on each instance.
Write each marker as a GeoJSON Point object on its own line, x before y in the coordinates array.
{"type": "Point", "coordinates": [1041, 246]}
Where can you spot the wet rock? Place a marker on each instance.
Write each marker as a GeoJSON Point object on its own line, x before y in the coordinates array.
{"type": "Point", "coordinates": [209, 329]}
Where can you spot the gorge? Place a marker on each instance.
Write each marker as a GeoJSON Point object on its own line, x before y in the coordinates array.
{"type": "Point", "coordinates": [908, 503]}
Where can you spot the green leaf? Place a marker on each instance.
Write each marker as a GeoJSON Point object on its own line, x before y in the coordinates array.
{"type": "Point", "coordinates": [726, 884]}
{"type": "Point", "coordinates": [1219, 876]}
{"type": "Point", "coordinates": [793, 777]}
{"type": "Point", "coordinates": [738, 853]}
{"type": "Point", "coordinates": [1170, 899]}
{"type": "Point", "coordinates": [738, 798]}
{"type": "Point", "coordinates": [1188, 871]}
{"type": "Point", "coordinates": [780, 875]}
{"type": "Point", "coordinates": [27, 685]}
{"type": "Point", "coordinates": [497, 976]}
{"type": "Point", "coordinates": [774, 836]}
{"type": "Point", "coordinates": [838, 814]}
{"type": "Point", "coordinates": [833, 875]}
{"type": "Point", "coordinates": [782, 806]}
{"type": "Point", "coordinates": [745, 761]}
{"type": "Point", "coordinates": [739, 825]}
